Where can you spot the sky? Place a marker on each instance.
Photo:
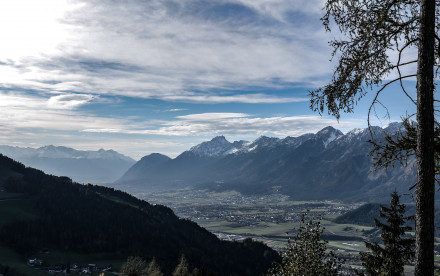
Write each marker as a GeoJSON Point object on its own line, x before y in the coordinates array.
{"type": "Point", "coordinates": [145, 76]}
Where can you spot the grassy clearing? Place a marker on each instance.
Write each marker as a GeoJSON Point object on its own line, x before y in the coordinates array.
{"type": "Point", "coordinates": [344, 229]}
{"type": "Point", "coordinates": [13, 259]}
{"type": "Point", "coordinates": [265, 229]}
{"type": "Point", "coordinates": [280, 229]}
{"type": "Point", "coordinates": [348, 246]}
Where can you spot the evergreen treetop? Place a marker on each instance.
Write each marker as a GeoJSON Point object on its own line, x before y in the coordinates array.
{"type": "Point", "coordinates": [397, 250]}
{"type": "Point", "coordinates": [307, 254]}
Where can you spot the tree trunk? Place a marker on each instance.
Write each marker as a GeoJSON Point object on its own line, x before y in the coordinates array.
{"type": "Point", "coordinates": [425, 142]}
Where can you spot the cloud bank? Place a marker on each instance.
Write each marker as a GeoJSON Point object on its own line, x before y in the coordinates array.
{"type": "Point", "coordinates": [170, 50]}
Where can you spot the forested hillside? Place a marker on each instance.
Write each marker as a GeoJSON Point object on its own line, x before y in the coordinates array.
{"type": "Point", "coordinates": [86, 218]}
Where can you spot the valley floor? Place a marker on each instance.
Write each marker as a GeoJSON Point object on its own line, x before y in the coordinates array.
{"type": "Point", "coordinates": [268, 218]}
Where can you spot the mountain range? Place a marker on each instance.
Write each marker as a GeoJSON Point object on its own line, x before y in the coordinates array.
{"type": "Point", "coordinates": [325, 165]}
{"type": "Point", "coordinates": [102, 166]}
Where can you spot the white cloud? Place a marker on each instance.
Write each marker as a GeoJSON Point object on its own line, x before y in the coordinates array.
{"type": "Point", "coordinates": [212, 116]}
{"type": "Point", "coordinates": [31, 28]}
{"type": "Point", "coordinates": [30, 121]}
{"type": "Point", "coordinates": [69, 101]}
{"type": "Point", "coordinates": [248, 98]}
{"type": "Point", "coordinates": [163, 49]}
{"type": "Point", "coordinates": [58, 113]}
{"type": "Point", "coordinates": [18, 111]}
{"type": "Point", "coordinates": [175, 109]}
{"type": "Point", "coordinates": [70, 53]}
{"type": "Point", "coordinates": [278, 9]}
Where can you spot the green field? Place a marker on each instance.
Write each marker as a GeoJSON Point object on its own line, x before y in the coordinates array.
{"type": "Point", "coordinates": [231, 213]}
{"type": "Point", "coordinates": [268, 232]}
{"type": "Point", "coordinates": [227, 214]}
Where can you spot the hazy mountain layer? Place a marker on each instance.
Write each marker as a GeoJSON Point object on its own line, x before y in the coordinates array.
{"type": "Point", "coordinates": [102, 166]}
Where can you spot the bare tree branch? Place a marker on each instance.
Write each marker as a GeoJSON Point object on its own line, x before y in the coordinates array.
{"type": "Point", "coordinates": [398, 69]}
{"type": "Point", "coordinates": [380, 90]}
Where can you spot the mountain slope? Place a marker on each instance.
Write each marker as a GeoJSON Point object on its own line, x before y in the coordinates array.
{"type": "Point", "coordinates": [341, 169]}
{"type": "Point", "coordinates": [146, 165]}
{"type": "Point", "coordinates": [102, 166]}
{"type": "Point", "coordinates": [325, 165]}
{"type": "Point", "coordinates": [210, 162]}
{"type": "Point", "coordinates": [86, 218]}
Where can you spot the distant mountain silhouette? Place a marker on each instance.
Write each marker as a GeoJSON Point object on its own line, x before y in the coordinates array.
{"type": "Point", "coordinates": [325, 165]}
{"type": "Point", "coordinates": [59, 214]}
{"type": "Point", "coordinates": [102, 166]}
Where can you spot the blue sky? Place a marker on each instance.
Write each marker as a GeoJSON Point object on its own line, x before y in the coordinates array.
{"type": "Point", "coordinates": [161, 76]}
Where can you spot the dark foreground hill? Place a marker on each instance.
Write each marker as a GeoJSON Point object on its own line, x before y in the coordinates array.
{"type": "Point", "coordinates": [84, 218]}
{"type": "Point", "coordinates": [365, 215]}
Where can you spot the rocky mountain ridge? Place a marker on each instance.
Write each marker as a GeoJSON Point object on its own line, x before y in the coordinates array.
{"type": "Point", "coordinates": [325, 165]}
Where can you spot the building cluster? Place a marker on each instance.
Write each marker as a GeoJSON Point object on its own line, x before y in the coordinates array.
{"type": "Point", "coordinates": [74, 269]}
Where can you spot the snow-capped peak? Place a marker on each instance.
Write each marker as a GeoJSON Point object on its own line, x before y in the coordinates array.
{"type": "Point", "coordinates": [52, 151]}
{"type": "Point", "coordinates": [362, 134]}
{"type": "Point", "coordinates": [328, 135]}
{"type": "Point", "coordinates": [216, 147]}
{"type": "Point", "coordinates": [264, 141]}
{"type": "Point", "coordinates": [393, 127]}
{"type": "Point", "coordinates": [239, 146]}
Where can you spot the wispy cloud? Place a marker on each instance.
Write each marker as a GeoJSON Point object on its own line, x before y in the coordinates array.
{"type": "Point", "coordinates": [212, 116]}
{"type": "Point", "coordinates": [61, 113]}
{"type": "Point", "coordinates": [281, 9]}
{"type": "Point", "coordinates": [45, 119]}
{"type": "Point", "coordinates": [249, 98]}
{"type": "Point", "coordinates": [211, 124]}
{"type": "Point", "coordinates": [166, 49]}
{"type": "Point", "coordinates": [56, 113]}
{"type": "Point", "coordinates": [71, 59]}
{"type": "Point", "coordinates": [69, 101]}
{"type": "Point", "coordinates": [175, 109]}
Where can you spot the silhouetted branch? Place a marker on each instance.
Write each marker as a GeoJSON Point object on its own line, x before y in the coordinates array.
{"type": "Point", "coordinates": [378, 93]}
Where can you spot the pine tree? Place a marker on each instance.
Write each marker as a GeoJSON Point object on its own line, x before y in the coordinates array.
{"type": "Point", "coordinates": [397, 250]}
{"type": "Point", "coordinates": [134, 266]}
{"type": "Point", "coordinates": [307, 254]}
{"type": "Point", "coordinates": [153, 269]}
{"type": "Point", "coordinates": [182, 268]}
